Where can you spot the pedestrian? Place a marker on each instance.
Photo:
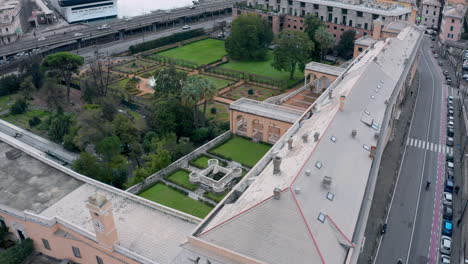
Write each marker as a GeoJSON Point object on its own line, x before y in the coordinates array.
{"type": "Point", "coordinates": [457, 188]}
{"type": "Point", "coordinates": [458, 92]}
{"type": "Point", "coordinates": [411, 93]}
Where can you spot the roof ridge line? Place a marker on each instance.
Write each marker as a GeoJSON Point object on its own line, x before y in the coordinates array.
{"type": "Point", "coordinates": [307, 226]}
{"type": "Point", "coordinates": [341, 232]}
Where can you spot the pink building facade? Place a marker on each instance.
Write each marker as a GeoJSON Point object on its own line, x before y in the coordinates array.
{"type": "Point", "coordinates": [452, 23]}
{"type": "Point", "coordinates": [430, 12]}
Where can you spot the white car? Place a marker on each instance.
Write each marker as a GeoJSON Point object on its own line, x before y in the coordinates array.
{"type": "Point", "coordinates": [450, 98]}
{"type": "Point", "coordinates": [465, 76]}
{"type": "Point", "coordinates": [128, 19]}
{"type": "Point", "coordinates": [186, 27]}
{"type": "Point", "coordinates": [451, 124]}
{"type": "Point", "coordinates": [436, 56]}
{"type": "Point", "coordinates": [444, 259]}
{"type": "Point", "coordinates": [78, 34]}
{"type": "Point", "coordinates": [447, 198]}
{"type": "Point", "coordinates": [41, 38]}
{"type": "Point", "coordinates": [104, 26]}
{"type": "Point", "coordinates": [445, 245]}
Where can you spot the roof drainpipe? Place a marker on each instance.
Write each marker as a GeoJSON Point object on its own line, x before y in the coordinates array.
{"type": "Point", "coordinates": [290, 142]}
{"type": "Point", "coordinates": [277, 165]}
{"type": "Point", "coordinates": [277, 193]}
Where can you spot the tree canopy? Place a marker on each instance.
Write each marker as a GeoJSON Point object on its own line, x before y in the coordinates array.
{"type": "Point", "coordinates": [249, 38]}
{"type": "Point", "coordinates": [292, 50]}
{"type": "Point", "coordinates": [65, 64]}
{"type": "Point", "coordinates": [346, 44]}
{"type": "Point", "coordinates": [324, 39]}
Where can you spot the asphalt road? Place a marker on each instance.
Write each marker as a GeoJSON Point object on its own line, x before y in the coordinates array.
{"type": "Point", "coordinates": [415, 213]}
{"type": "Point", "coordinates": [122, 45]}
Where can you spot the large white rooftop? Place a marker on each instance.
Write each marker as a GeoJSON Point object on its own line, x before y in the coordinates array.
{"type": "Point", "coordinates": [268, 110]}
{"type": "Point", "coordinates": [314, 222]}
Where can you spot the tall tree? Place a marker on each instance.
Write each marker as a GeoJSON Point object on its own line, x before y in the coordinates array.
{"type": "Point", "coordinates": [169, 82]}
{"type": "Point", "coordinates": [292, 50]}
{"type": "Point", "coordinates": [249, 38]}
{"type": "Point", "coordinates": [108, 148]}
{"type": "Point", "coordinates": [346, 44]}
{"type": "Point", "coordinates": [65, 64]}
{"type": "Point", "coordinates": [311, 24]}
{"type": "Point", "coordinates": [209, 90]}
{"type": "Point", "coordinates": [100, 75]}
{"type": "Point", "coordinates": [324, 39]}
{"type": "Point", "coordinates": [192, 93]}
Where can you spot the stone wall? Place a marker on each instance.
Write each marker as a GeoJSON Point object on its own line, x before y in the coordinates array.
{"type": "Point", "coordinates": [180, 163]}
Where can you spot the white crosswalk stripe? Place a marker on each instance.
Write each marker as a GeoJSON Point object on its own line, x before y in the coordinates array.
{"type": "Point", "coordinates": [421, 144]}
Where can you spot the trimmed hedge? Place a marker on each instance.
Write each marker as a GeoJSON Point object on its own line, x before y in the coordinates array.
{"type": "Point", "coordinates": [177, 37]}
{"type": "Point", "coordinates": [18, 253]}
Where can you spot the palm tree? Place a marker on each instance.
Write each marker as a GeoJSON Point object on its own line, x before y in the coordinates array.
{"type": "Point", "coordinates": [192, 93]}
{"type": "Point", "coordinates": [209, 90]}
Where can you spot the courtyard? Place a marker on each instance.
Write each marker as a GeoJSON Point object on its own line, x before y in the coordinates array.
{"type": "Point", "coordinates": [201, 52]}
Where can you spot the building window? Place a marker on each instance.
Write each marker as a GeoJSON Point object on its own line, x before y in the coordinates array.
{"type": "Point", "coordinates": [336, 20]}
{"type": "Point", "coordinates": [365, 33]}
{"type": "Point", "coordinates": [374, 16]}
{"type": "Point", "coordinates": [300, 28]}
{"type": "Point", "coordinates": [330, 9]}
{"type": "Point", "coordinates": [433, 20]}
{"type": "Point", "coordinates": [359, 49]}
{"type": "Point", "coordinates": [321, 18]}
{"type": "Point", "coordinates": [334, 28]}
{"type": "Point", "coordinates": [342, 29]}
{"type": "Point", "coordinates": [425, 19]}
{"type": "Point", "coordinates": [289, 26]}
{"type": "Point", "coordinates": [359, 13]}
{"type": "Point", "coordinates": [344, 20]}
{"type": "Point", "coordinates": [303, 12]}
{"type": "Point", "coordinates": [427, 11]}
{"type": "Point", "coordinates": [448, 35]}
{"type": "Point", "coordinates": [453, 20]}
{"type": "Point", "coordinates": [295, 27]}
{"type": "Point", "coordinates": [302, 4]}
{"type": "Point", "coordinates": [365, 25]}
{"type": "Point", "coordinates": [334, 35]}
{"type": "Point", "coordinates": [46, 244]}
{"type": "Point", "coordinates": [434, 13]}
{"type": "Point", "coordinates": [2, 223]}
{"type": "Point", "coordinates": [290, 2]}
{"type": "Point", "coordinates": [76, 252]}
{"type": "Point", "coordinates": [350, 23]}
{"type": "Point", "coordinates": [99, 260]}
{"type": "Point", "coordinates": [344, 11]}
{"type": "Point", "coordinates": [316, 6]}
{"type": "Point", "coordinates": [239, 12]}
{"type": "Point", "coordinates": [330, 17]}
{"type": "Point", "coordinates": [451, 28]}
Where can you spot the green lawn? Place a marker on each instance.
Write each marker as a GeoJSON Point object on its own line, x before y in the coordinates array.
{"type": "Point", "coordinates": [181, 177]}
{"type": "Point", "coordinates": [216, 197]}
{"type": "Point", "coordinates": [120, 84]}
{"type": "Point", "coordinates": [200, 52]}
{"type": "Point", "coordinates": [23, 119]}
{"type": "Point", "coordinates": [222, 111]}
{"type": "Point", "coordinates": [134, 66]}
{"type": "Point", "coordinates": [219, 83]}
{"type": "Point", "coordinates": [165, 195]}
{"type": "Point", "coordinates": [263, 68]}
{"type": "Point", "coordinates": [6, 102]}
{"type": "Point", "coordinates": [241, 150]}
{"type": "Point", "coordinates": [201, 162]}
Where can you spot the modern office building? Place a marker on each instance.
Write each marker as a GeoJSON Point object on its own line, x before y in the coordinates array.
{"type": "Point", "coordinates": [85, 10]}
{"type": "Point", "coordinates": [10, 22]}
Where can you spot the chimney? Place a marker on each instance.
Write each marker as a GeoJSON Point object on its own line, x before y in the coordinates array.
{"type": "Point", "coordinates": [102, 218]}
{"type": "Point", "coordinates": [308, 172]}
{"type": "Point", "coordinates": [354, 133]}
{"type": "Point", "coordinates": [330, 94]}
{"type": "Point", "coordinates": [342, 102]}
{"type": "Point", "coordinates": [276, 165]}
{"type": "Point", "coordinates": [305, 138]}
{"type": "Point", "coordinates": [373, 149]}
{"type": "Point", "coordinates": [377, 30]}
{"type": "Point", "coordinates": [276, 193]}
{"type": "Point", "coordinates": [290, 142]}
{"type": "Point", "coordinates": [316, 136]}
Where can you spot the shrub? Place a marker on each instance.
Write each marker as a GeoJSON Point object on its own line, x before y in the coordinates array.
{"type": "Point", "coordinates": [250, 91]}
{"type": "Point", "coordinates": [34, 121]}
{"type": "Point", "coordinates": [19, 107]}
{"type": "Point", "coordinates": [177, 37]}
{"type": "Point", "coordinates": [213, 110]}
{"type": "Point", "coordinates": [17, 253]}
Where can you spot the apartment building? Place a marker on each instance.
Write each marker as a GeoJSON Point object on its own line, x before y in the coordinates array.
{"type": "Point", "coordinates": [10, 22]}
{"type": "Point", "coordinates": [452, 23]}
{"type": "Point", "coordinates": [339, 16]}
{"type": "Point", "coordinates": [430, 12]}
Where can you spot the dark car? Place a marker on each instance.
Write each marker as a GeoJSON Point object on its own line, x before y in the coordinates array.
{"type": "Point", "coordinates": [449, 157]}
{"type": "Point", "coordinates": [432, 38]}
{"type": "Point", "coordinates": [446, 73]}
{"type": "Point", "coordinates": [450, 175]}
{"type": "Point", "coordinates": [447, 228]}
{"type": "Point", "coordinates": [450, 131]}
{"type": "Point", "coordinates": [448, 212]}
{"type": "Point", "coordinates": [449, 141]}
{"type": "Point", "coordinates": [448, 186]}
{"type": "Point", "coordinates": [449, 81]}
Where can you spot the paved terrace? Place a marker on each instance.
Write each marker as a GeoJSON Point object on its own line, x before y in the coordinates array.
{"type": "Point", "coordinates": [366, 6]}
{"type": "Point", "coordinates": [267, 110]}
{"type": "Point", "coordinates": [315, 220]}
{"type": "Point", "coordinates": [151, 232]}
{"type": "Point", "coordinates": [324, 68]}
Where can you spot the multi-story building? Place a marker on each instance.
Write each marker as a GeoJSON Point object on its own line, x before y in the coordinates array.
{"type": "Point", "coordinates": [430, 12]}
{"type": "Point", "coordinates": [339, 16]}
{"type": "Point", "coordinates": [10, 21]}
{"type": "Point", "coordinates": [452, 23]}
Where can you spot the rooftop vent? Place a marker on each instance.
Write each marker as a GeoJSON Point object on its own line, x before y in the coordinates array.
{"type": "Point", "coordinates": [333, 139]}
{"type": "Point", "coordinates": [297, 190]}
{"type": "Point", "coordinates": [321, 218]}
{"type": "Point", "coordinates": [308, 172]}
{"type": "Point", "coordinates": [376, 135]}
{"type": "Point", "coordinates": [13, 154]}
{"type": "Point", "coordinates": [290, 143]}
{"type": "Point", "coordinates": [342, 102]}
{"type": "Point", "coordinates": [277, 193]}
{"type": "Point", "coordinates": [276, 165]}
{"type": "Point", "coordinates": [330, 196]}
{"type": "Point", "coordinates": [318, 165]}
{"type": "Point", "coordinates": [330, 94]}
{"type": "Point", "coordinates": [305, 138]}
{"type": "Point", "coordinates": [366, 147]}
{"type": "Point", "coordinates": [316, 136]}
{"type": "Point", "coordinates": [354, 133]}
{"type": "Point", "coordinates": [326, 182]}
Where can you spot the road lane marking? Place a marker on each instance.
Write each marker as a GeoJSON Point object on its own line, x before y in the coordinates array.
{"type": "Point", "coordinates": [424, 145]}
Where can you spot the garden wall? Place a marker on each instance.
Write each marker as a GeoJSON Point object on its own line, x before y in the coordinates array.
{"type": "Point", "coordinates": [180, 163]}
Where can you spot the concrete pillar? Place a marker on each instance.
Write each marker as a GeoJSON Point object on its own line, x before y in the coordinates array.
{"type": "Point", "coordinates": [377, 29]}
{"type": "Point", "coordinates": [121, 35]}
{"type": "Point", "coordinates": [79, 43]}
{"type": "Point", "coordinates": [154, 27]}
{"type": "Point", "coordinates": [249, 127]}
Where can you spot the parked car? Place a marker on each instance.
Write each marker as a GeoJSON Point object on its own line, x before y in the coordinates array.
{"type": "Point", "coordinates": [450, 106]}
{"type": "Point", "coordinates": [465, 77]}
{"type": "Point", "coordinates": [186, 27]}
{"type": "Point", "coordinates": [103, 26]}
{"type": "Point", "coordinates": [441, 63]}
{"type": "Point", "coordinates": [444, 259]}
{"type": "Point", "coordinates": [451, 124]}
{"type": "Point", "coordinates": [450, 131]}
{"type": "Point", "coordinates": [448, 186]}
{"type": "Point", "coordinates": [451, 118]}
{"type": "Point", "coordinates": [447, 228]}
{"type": "Point", "coordinates": [450, 99]}
{"type": "Point", "coordinates": [436, 56]}
{"type": "Point", "coordinates": [450, 166]}
{"type": "Point", "coordinates": [221, 35]}
{"type": "Point", "coordinates": [449, 81]}
{"type": "Point", "coordinates": [450, 112]}
{"type": "Point", "coordinates": [447, 198]}
{"type": "Point", "coordinates": [127, 19]}
{"type": "Point", "coordinates": [432, 38]}
{"type": "Point", "coordinates": [445, 245]}
{"type": "Point", "coordinates": [446, 73]}
{"type": "Point", "coordinates": [448, 212]}
{"type": "Point", "coordinates": [449, 157]}
{"type": "Point", "coordinates": [450, 175]}
{"type": "Point", "coordinates": [449, 141]}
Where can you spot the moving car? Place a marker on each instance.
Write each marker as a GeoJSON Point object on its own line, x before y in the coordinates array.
{"type": "Point", "coordinates": [103, 26]}
{"type": "Point", "coordinates": [445, 245]}
{"type": "Point", "coordinates": [78, 34]}
{"type": "Point", "coordinates": [447, 228]}
{"type": "Point", "coordinates": [447, 198]}
{"type": "Point", "coordinates": [41, 38]}
{"type": "Point", "coordinates": [449, 81]}
{"type": "Point", "coordinates": [448, 212]}
{"type": "Point", "coordinates": [186, 27]}
{"type": "Point", "coordinates": [446, 73]}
